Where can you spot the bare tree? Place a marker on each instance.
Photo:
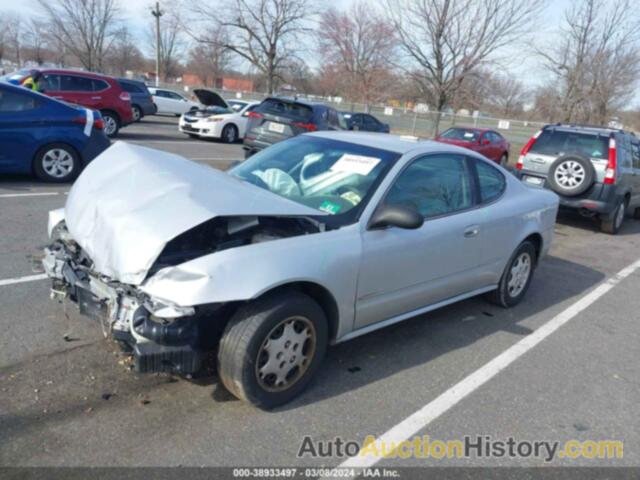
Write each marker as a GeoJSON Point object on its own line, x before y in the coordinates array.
{"type": "Point", "coordinates": [3, 36]}
{"type": "Point", "coordinates": [14, 38]}
{"type": "Point", "coordinates": [210, 59]}
{"type": "Point", "coordinates": [172, 43]}
{"type": "Point", "coordinates": [507, 94]}
{"type": "Point", "coordinates": [83, 27]}
{"type": "Point", "coordinates": [36, 42]}
{"type": "Point", "coordinates": [597, 61]}
{"type": "Point", "coordinates": [444, 41]}
{"type": "Point", "coordinates": [360, 43]}
{"type": "Point", "coordinates": [124, 54]}
{"type": "Point", "coordinates": [262, 32]}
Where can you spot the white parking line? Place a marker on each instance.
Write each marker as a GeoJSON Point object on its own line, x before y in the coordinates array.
{"type": "Point", "coordinates": [447, 400]}
{"type": "Point", "coordinates": [41, 194]}
{"type": "Point", "coordinates": [215, 159]}
{"type": "Point", "coordinates": [29, 278]}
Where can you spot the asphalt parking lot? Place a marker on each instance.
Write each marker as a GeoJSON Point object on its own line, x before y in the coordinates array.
{"type": "Point", "coordinates": [69, 398]}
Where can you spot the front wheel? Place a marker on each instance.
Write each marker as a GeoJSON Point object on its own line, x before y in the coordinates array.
{"type": "Point", "coordinates": [229, 134]}
{"type": "Point", "coordinates": [516, 277]}
{"type": "Point", "coordinates": [272, 347]}
{"type": "Point", "coordinates": [57, 163]}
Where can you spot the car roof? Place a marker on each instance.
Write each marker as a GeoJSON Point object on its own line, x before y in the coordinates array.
{"type": "Point", "coordinates": [391, 143]}
{"type": "Point", "coordinates": [131, 80]}
{"type": "Point", "coordinates": [73, 72]}
{"type": "Point", "coordinates": [582, 128]}
{"type": "Point", "coordinates": [302, 101]}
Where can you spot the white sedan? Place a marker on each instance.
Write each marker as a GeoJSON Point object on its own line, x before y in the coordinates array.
{"type": "Point", "coordinates": [170, 102]}
{"type": "Point", "coordinates": [217, 118]}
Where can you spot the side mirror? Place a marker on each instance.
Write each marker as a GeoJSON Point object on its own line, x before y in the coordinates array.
{"type": "Point", "coordinates": [396, 216]}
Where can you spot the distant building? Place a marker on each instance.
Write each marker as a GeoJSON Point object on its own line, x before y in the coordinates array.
{"type": "Point", "coordinates": [220, 83]}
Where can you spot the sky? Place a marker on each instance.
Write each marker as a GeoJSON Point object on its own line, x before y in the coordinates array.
{"type": "Point", "coordinates": [519, 60]}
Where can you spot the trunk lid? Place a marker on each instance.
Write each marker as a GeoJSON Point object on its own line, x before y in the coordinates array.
{"type": "Point", "coordinates": [131, 200]}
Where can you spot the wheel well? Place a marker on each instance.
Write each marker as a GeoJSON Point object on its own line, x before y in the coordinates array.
{"type": "Point", "coordinates": [321, 295]}
{"type": "Point", "coordinates": [46, 145]}
{"type": "Point", "coordinates": [536, 239]}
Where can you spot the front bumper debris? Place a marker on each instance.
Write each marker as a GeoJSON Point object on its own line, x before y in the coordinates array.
{"type": "Point", "coordinates": [157, 345]}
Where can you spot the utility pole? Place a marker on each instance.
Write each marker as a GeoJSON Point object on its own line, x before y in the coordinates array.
{"type": "Point", "coordinates": [156, 12]}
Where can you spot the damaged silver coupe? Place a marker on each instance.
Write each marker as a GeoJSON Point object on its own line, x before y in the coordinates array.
{"type": "Point", "coordinates": [315, 240]}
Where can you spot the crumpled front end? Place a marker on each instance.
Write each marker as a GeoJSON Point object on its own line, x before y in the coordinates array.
{"type": "Point", "coordinates": [160, 336]}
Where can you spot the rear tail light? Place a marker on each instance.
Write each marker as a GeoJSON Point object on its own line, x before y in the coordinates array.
{"type": "Point", "coordinates": [610, 172]}
{"type": "Point", "coordinates": [255, 115]}
{"type": "Point", "coordinates": [125, 97]}
{"type": "Point", "coordinates": [98, 124]}
{"type": "Point", "coordinates": [526, 148]}
{"type": "Point", "coordinates": [307, 126]}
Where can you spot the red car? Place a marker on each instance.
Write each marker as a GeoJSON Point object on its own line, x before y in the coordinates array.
{"type": "Point", "coordinates": [487, 142]}
{"type": "Point", "coordinates": [92, 90]}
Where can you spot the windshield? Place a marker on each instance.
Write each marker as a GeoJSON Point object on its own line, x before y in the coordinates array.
{"type": "Point", "coordinates": [462, 134]}
{"type": "Point", "coordinates": [329, 175]}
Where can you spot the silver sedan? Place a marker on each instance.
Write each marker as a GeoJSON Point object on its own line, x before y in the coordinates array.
{"type": "Point", "coordinates": [315, 240]}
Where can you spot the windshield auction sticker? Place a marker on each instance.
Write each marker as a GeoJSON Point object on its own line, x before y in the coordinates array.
{"type": "Point", "coordinates": [358, 164]}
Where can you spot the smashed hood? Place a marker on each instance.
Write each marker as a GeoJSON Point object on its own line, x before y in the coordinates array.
{"type": "Point", "coordinates": [131, 200]}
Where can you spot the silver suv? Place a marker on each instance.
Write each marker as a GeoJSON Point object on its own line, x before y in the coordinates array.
{"type": "Point", "coordinates": [594, 170]}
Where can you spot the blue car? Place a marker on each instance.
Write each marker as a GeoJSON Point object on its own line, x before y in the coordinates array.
{"type": "Point", "coordinates": [141, 100]}
{"type": "Point", "coordinates": [43, 136]}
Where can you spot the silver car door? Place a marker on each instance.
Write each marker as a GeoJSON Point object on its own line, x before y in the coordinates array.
{"type": "Point", "coordinates": [403, 270]}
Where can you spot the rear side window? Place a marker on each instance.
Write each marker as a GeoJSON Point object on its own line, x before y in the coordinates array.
{"type": "Point", "coordinates": [555, 142]}
{"type": "Point", "coordinates": [490, 181]}
{"type": "Point", "coordinates": [73, 83]}
{"type": "Point", "coordinates": [99, 85]}
{"type": "Point", "coordinates": [131, 87]}
{"type": "Point", "coordinates": [11, 102]}
{"type": "Point", "coordinates": [283, 108]}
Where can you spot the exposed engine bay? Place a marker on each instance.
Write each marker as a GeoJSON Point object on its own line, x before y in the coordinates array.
{"type": "Point", "coordinates": [222, 233]}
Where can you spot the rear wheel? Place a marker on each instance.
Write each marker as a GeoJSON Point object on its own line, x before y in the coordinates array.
{"type": "Point", "coordinates": [272, 347]}
{"type": "Point", "coordinates": [57, 163]}
{"type": "Point", "coordinates": [111, 124]}
{"type": "Point", "coordinates": [504, 160]}
{"type": "Point", "coordinates": [229, 134]}
{"type": "Point", "coordinates": [516, 277]}
{"type": "Point", "coordinates": [613, 223]}
{"type": "Point", "coordinates": [137, 113]}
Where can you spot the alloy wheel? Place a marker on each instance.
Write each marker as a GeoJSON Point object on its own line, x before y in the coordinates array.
{"type": "Point", "coordinates": [110, 125]}
{"type": "Point", "coordinates": [569, 174]}
{"type": "Point", "coordinates": [57, 163]}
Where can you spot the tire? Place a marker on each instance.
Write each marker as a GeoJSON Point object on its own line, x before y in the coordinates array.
{"type": "Point", "coordinates": [636, 213]}
{"type": "Point", "coordinates": [137, 113]}
{"type": "Point", "coordinates": [193, 135]}
{"type": "Point", "coordinates": [229, 134]}
{"type": "Point", "coordinates": [571, 175]}
{"type": "Point", "coordinates": [504, 160]}
{"type": "Point", "coordinates": [243, 348]}
{"type": "Point", "coordinates": [506, 295]}
{"type": "Point", "coordinates": [57, 163]}
{"type": "Point", "coordinates": [111, 124]}
{"type": "Point", "coordinates": [612, 224]}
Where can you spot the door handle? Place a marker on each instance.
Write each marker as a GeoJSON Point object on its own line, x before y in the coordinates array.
{"type": "Point", "coordinates": [96, 98]}
{"type": "Point", "coordinates": [471, 231]}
